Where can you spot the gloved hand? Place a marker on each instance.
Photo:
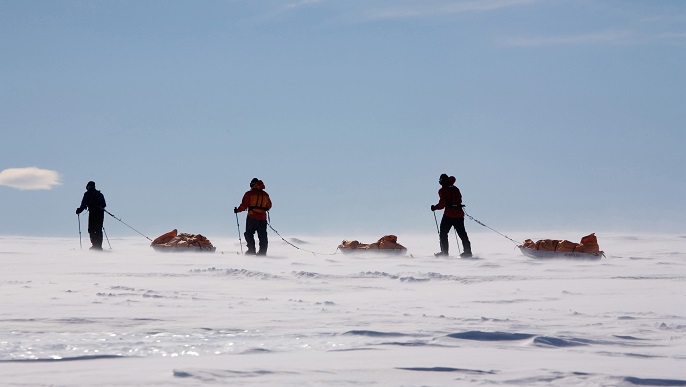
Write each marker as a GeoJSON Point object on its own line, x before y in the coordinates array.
{"type": "Point", "coordinates": [78, 211]}
{"type": "Point", "coordinates": [433, 208]}
{"type": "Point", "coordinates": [235, 210]}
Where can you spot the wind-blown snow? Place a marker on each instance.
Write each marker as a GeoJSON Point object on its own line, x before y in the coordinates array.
{"type": "Point", "coordinates": [133, 316]}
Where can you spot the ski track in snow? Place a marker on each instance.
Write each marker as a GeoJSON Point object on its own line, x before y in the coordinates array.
{"type": "Point", "coordinates": [134, 316]}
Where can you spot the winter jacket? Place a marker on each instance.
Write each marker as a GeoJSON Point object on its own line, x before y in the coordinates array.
{"type": "Point", "coordinates": [257, 202]}
{"type": "Point", "coordinates": [450, 198]}
{"type": "Point", "coordinates": [94, 200]}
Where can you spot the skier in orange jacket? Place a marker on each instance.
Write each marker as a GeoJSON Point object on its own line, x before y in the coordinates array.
{"type": "Point", "coordinates": [257, 202]}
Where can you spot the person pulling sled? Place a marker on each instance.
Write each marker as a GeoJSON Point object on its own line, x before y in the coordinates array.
{"type": "Point", "coordinates": [450, 199]}
{"type": "Point", "coordinates": [257, 202]}
{"type": "Point", "coordinates": [94, 201]}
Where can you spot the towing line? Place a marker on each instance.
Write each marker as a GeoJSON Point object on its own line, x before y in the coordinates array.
{"type": "Point", "coordinates": [269, 222]}
{"type": "Point", "coordinates": [470, 217]}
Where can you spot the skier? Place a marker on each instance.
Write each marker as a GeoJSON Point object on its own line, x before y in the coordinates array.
{"type": "Point", "coordinates": [95, 202]}
{"type": "Point", "coordinates": [450, 198]}
{"type": "Point", "coordinates": [257, 202]}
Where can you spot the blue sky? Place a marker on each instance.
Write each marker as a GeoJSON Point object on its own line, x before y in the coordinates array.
{"type": "Point", "coordinates": [551, 114]}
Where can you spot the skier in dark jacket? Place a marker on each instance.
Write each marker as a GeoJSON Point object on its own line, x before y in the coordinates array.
{"type": "Point", "coordinates": [94, 201]}
{"type": "Point", "coordinates": [450, 198]}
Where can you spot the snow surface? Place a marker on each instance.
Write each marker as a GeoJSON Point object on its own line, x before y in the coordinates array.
{"type": "Point", "coordinates": [132, 316]}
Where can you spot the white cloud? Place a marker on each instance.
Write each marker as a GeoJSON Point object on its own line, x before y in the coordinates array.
{"type": "Point", "coordinates": [30, 178]}
{"type": "Point", "coordinates": [424, 9]}
{"type": "Point", "coordinates": [595, 38]}
{"type": "Point", "coordinates": [675, 36]}
{"type": "Point", "coordinates": [606, 37]}
{"type": "Point", "coordinates": [302, 3]}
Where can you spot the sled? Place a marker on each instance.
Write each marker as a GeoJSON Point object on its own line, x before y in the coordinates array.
{"type": "Point", "coordinates": [182, 243]}
{"type": "Point", "coordinates": [587, 249]}
{"type": "Point", "coordinates": [181, 249]}
{"type": "Point", "coordinates": [542, 254]}
{"type": "Point", "coordinates": [385, 245]}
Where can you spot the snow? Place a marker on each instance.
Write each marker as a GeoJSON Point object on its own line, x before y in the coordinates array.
{"type": "Point", "coordinates": [133, 316]}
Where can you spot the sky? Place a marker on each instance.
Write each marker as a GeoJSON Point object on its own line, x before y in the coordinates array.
{"type": "Point", "coordinates": [552, 115]}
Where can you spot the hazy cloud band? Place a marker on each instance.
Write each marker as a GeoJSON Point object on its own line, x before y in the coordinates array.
{"type": "Point", "coordinates": [29, 178]}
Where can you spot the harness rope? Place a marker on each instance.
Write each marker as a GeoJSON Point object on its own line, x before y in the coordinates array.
{"type": "Point", "coordinates": [470, 217]}
{"type": "Point", "coordinates": [110, 214]}
{"type": "Point", "coordinates": [269, 223]}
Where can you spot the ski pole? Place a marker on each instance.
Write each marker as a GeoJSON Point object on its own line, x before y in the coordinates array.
{"type": "Point", "coordinates": [108, 239]}
{"type": "Point", "coordinates": [80, 244]}
{"type": "Point", "coordinates": [110, 214]}
{"type": "Point", "coordinates": [438, 231]}
{"type": "Point", "coordinates": [239, 233]}
{"type": "Point", "coordinates": [457, 242]}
